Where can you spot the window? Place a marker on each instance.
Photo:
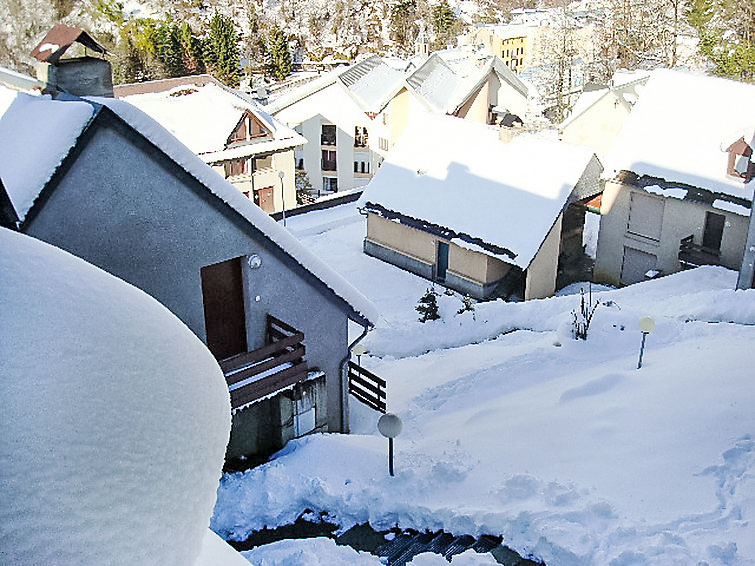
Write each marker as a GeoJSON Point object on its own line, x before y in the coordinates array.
{"type": "Point", "coordinates": [360, 136]}
{"type": "Point", "coordinates": [361, 167]}
{"type": "Point", "coordinates": [235, 167]}
{"type": "Point", "coordinates": [328, 136]}
{"type": "Point", "coordinates": [385, 119]}
{"type": "Point", "coordinates": [300, 163]}
{"type": "Point", "coordinates": [263, 162]}
{"type": "Point", "coordinates": [239, 133]}
{"type": "Point", "coordinates": [383, 143]}
{"type": "Point", "coordinates": [645, 216]}
{"type": "Point", "coordinates": [330, 184]}
{"type": "Point", "coordinates": [328, 160]}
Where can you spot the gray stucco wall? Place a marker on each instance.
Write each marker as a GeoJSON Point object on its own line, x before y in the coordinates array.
{"type": "Point", "coordinates": [681, 218]}
{"type": "Point", "coordinates": [125, 207]}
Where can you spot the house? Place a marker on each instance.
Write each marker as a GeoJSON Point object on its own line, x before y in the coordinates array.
{"type": "Point", "coordinates": [344, 117]}
{"type": "Point", "coordinates": [600, 112]}
{"type": "Point", "coordinates": [228, 131]}
{"type": "Point", "coordinates": [680, 179]}
{"type": "Point", "coordinates": [353, 116]}
{"type": "Point", "coordinates": [101, 179]}
{"type": "Point", "coordinates": [459, 83]}
{"type": "Point", "coordinates": [460, 203]}
{"type": "Point", "coordinates": [508, 42]}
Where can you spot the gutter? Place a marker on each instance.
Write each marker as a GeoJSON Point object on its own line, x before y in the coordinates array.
{"type": "Point", "coordinates": [343, 366]}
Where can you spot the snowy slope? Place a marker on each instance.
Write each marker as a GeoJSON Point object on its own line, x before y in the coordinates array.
{"type": "Point", "coordinates": [114, 418]}
{"type": "Point", "coordinates": [562, 446]}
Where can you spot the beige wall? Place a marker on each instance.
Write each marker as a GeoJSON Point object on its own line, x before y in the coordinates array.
{"type": "Point", "coordinates": [598, 126]}
{"type": "Point", "coordinates": [541, 274]}
{"type": "Point", "coordinates": [415, 243]}
{"type": "Point", "coordinates": [462, 262]}
{"type": "Point", "coordinates": [399, 113]}
{"type": "Point", "coordinates": [476, 106]}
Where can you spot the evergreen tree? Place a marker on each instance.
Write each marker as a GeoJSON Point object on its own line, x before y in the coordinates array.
{"type": "Point", "coordinates": [428, 306]}
{"type": "Point", "coordinates": [221, 55]}
{"type": "Point", "coordinates": [169, 50]}
{"type": "Point", "coordinates": [277, 55]}
{"type": "Point", "coordinates": [444, 23]}
{"type": "Point", "coordinates": [191, 50]}
{"type": "Point", "coordinates": [403, 17]}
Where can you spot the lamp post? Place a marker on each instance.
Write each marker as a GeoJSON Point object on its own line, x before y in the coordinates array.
{"type": "Point", "coordinates": [281, 174]}
{"type": "Point", "coordinates": [647, 325]}
{"type": "Point", "coordinates": [359, 350]}
{"type": "Point", "coordinates": [389, 426]}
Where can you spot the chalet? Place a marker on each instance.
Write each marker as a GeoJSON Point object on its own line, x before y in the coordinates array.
{"type": "Point", "coordinates": [680, 185]}
{"type": "Point", "coordinates": [462, 204]}
{"type": "Point", "coordinates": [228, 131]}
{"type": "Point", "coordinates": [101, 179]}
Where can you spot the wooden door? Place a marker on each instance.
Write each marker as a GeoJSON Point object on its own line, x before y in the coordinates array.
{"type": "Point", "coordinates": [225, 319]}
{"type": "Point", "coordinates": [264, 199]}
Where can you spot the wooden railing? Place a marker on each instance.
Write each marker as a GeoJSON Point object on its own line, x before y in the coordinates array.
{"type": "Point", "coordinates": [367, 387]}
{"type": "Point", "coordinates": [278, 364]}
{"type": "Point", "coordinates": [692, 254]}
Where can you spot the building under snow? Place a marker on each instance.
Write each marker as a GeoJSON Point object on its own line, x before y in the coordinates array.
{"type": "Point", "coordinates": [485, 216]}
{"type": "Point", "coordinates": [681, 183]}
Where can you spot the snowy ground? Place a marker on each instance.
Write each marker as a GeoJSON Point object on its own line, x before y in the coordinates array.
{"type": "Point", "coordinates": [512, 427]}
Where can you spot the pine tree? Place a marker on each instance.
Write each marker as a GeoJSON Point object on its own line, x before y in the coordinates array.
{"type": "Point", "coordinates": [221, 55]}
{"type": "Point", "coordinates": [277, 55]}
{"type": "Point", "coordinates": [444, 23]}
{"type": "Point", "coordinates": [191, 50]}
{"type": "Point", "coordinates": [428, 306]}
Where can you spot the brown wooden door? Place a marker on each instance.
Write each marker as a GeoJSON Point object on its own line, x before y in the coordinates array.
{"type": "Point", "coordinates": [264, 199]}
{"type": "Point", "coordinates": [223, 297]}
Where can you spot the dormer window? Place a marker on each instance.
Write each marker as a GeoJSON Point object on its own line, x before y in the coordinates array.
{"type": "Point", "coordinates": [739, 164]}
{"type": "Point", "coordinates": [247, 129]}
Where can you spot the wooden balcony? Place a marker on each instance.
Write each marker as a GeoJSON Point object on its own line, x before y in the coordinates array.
{"type": "Point", "coordinates": [694, 255]}
{"type": "Point", "coordinates": [261, 372]}
{"type": "Point", "coordinates": [367, 387]}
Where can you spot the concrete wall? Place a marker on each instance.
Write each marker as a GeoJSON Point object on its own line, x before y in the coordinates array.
{"type": "Point", "coordinates": [125, 207]}
{"type": "Point", "coordinates": [598, 126]}
{"type": "Point", "coordinates": [399, 108]}
{"type": "Point", "coordinates": [409, 241]}
{"type": "Point", "coordinates": [541, 273]}
{"type": "Point", "coordinates": [681, 218]}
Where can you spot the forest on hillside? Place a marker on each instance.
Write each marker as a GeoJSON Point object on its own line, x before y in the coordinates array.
{"type": "Point", "coordinates": [150, 39]}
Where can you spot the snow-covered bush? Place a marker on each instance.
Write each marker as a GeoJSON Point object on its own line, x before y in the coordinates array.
{"type": "Point", "coordinates": [467, 305]}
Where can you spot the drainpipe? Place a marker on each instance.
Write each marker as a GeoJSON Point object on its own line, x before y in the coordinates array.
{"type": "Point", "coordinates": [344, 373]}
{"type": "Point", "coordinates": [747, 270]}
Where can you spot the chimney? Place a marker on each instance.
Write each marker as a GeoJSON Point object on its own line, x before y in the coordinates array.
{"type": "Point", "coordinates": [80, 76]}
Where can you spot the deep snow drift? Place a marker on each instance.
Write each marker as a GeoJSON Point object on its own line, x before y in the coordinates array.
{"type": "Point", "coordinates": [562, 446]}
{"type": "Point", "coordinates": [114, 418]}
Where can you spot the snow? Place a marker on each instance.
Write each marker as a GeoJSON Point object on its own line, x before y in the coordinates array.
{"type": "Point", "coordinates": [660, 139]}
{"type": "Point", "coordinates": [513, 427]}
{"type": "Point", "coordinates": [48, 126]}
{"type": "Point", "coordinates": [674, 192]}
{"type": "Point", "coordinates": [114, 415]}
{"type": "Point", "coordinates": [584, 102]}
{"type": "Point", "coordinates": [376, 86]}
{"type": "Point", "coordinates": [216, 552]}
{"type": "Point", "coordinates": [214, 112]}
{"type": "Point", "coordinates": [500, 192]}
{"type": "Point", "coordinates": [731, 207]}
{"type": "Point", "coordinates": [445, 83]}
{"type": "Point", "coordinates": [184, 157]}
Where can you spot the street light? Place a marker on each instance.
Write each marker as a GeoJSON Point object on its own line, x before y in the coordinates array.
{"type": "Point", "coordinates": [359, 350]}
{"type": "Point", "coordinates": [647, 325]}
{"type": "Point", "coordinates": [389, 426]}
{"type": "Point", "coordinates": [281, 174]}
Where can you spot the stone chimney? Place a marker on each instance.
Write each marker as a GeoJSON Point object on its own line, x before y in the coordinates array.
{"type": "Point", "coordinates": [80, 76]}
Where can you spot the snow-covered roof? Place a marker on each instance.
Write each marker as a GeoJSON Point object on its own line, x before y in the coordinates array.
{"type": "Point", "coordinates": [507, 31]}
{"type": "Point", "coordinates": [203, 117]}
{"type": "Point", "coordinates": [458, 175]}
{"type": "Point", "coordinates": [680, 128]}
{"type": "Point", "coordinates": [36, 133]}
{"type": "Point", "coordinates": [229, 194]}
{"type": "Point", "coordinates": [372, 82]}
{"type": "Point", "coordinates": [104, 395]}
{"type": "Point", "coordinates": [446, 83]}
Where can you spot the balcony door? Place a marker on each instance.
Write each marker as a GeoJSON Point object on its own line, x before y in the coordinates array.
{"type": "Point", "coordinates": [225, 319]}
{"type": "Point", "coordinates": [442, 261]}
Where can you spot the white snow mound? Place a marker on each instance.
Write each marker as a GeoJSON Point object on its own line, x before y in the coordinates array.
{"type": "Point", "coordinates": [114, 418]}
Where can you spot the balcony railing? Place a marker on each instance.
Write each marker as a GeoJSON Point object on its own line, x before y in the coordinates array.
{"type": "Point", "coordinates": [693, 255]}
{"type": "Point", "coordinates": [328, 165]}
{"type": "Point", "coordinates": [261, 372]}
{"type": "Point", "coordinates": [367, 387]}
